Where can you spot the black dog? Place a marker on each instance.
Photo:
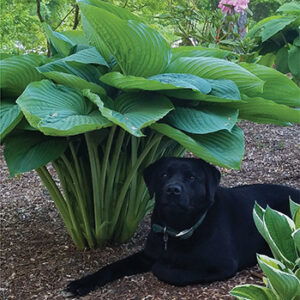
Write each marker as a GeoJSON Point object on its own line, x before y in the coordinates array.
{"type": "Point", "coordinates": [201, 232]}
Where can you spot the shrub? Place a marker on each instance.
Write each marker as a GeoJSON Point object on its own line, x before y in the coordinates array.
{"type": "Point", "coordinates": [279, 37]}
{"type": "Point", "coordinates": [107, 104]}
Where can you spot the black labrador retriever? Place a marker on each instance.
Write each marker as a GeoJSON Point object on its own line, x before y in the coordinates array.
{"type": "Point", "coordinates": [200, 232]}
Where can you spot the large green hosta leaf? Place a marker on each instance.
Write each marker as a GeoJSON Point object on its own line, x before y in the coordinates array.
{"type": "Point", "coordinates": [190, 51]}
{"type": "Point", "coordinates": [138, 49]}
{"type": "Point", "coordinates": [31, 150]}
{"type": "Point", "coordinates": [202, 121]}
{"type": "Point", "coordinates": [86, 56]}
{"type": "Point", "coordinates": [74, 82]}
{"type": "Point", "coordinates": [74, 74]}
{"type": "Point", "coordinates": [222, 148]}
{"type": "Point", "coordinates": [131, 111]}
{"type": "Point", "coordinates": [167, 81]}
{"type": "Point", "coordinates": [120, 12]}
{"type": "Point", "coordinates": [222, 90]}
{"type": "Point", "coordinates": [10, 116]}
{"type": "Point", "coordinates": [18, 71]}
{"type": "Point", "coordinates": [285, 284]}
{"type": "Point", "coordinates": [215, 68]}
{"type": "Point", "coordinates": [61, 110]}
{"type": "Point", "coordinates": [264, 111]}
{"type": "Point", "coordinates": [277, 87]}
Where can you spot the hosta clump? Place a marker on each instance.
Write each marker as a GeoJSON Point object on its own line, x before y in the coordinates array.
{"type": "Point", "coordinates": [108, 103]}
{"type": "Point", "coordinates": [283, 271]}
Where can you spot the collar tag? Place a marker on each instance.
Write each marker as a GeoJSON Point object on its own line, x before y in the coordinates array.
{"type": "Point", "coordinates": [165, 238]}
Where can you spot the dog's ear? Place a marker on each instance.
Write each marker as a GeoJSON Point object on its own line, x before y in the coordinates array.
{"type": "Point", "coordinates": [212, 179]}
{"type": "Point", "coordinates": [149, 178]}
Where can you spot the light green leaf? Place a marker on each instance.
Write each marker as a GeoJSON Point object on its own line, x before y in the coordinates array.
{"type": "Point", "coordinates": [119, 12]}
{"type": "Point", "coordinates": [221, 148]}
{"type": "Point", "coordinates": [292, 7]}
{"type": "Point", "coordinates": [62, 111]}
{"type": "Point", "coordinates": [267, 60]}
{"type": "Point", "coordinates": [215, 68]}
{"type": "Point", "coordinates": [296, 237]}
{"type": "Point", "coordinates": [253, 292]}
{"type": "Point", "coordinates": [138, 49]}
{"type": "Point", "coordinates": [257, 29]}
{"type": "Point", "coordinates": [294, 61]}
{"type": "Point", "coordinates": [277, 87]}
{"type": "Point", "coordinates": [31, 150]}
{"type": "Point", "coordinates": [61, 43]}
{"type": "Point", "coordinates": [133, 112]}
{"type": "Point", "coordinates": [18, 71]}
{"type": "Point", "coordinates": [297, 219]}
{"type": "Point", "coordinates": [274, 26]}
{"type": "Point", "coordinates": [280, 228]}
{"type": "Point", "coordinates": [274, 263]}
{"type": "Point", "coordinates": [258, 217]}
{"type": "Point", "coordinates": [10, 116]}
{"type": "Point", "coordinates": [190, 51]}
{"type": "Point", "coordinates": [75, 36]}
{"type": "Point", "coordinates": [294, 207]}
{"type": "Point", "coordinates": [285, 284]}
{"type": "Point", "coordinates": [203, 120]}
{"type": "Point", "coordinates": [167, 81]}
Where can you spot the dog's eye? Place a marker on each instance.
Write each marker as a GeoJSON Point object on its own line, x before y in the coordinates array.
{"type": "Point", "coordinates": [164, 175]}
{"type": "Point", "coordinates": [192, 178]}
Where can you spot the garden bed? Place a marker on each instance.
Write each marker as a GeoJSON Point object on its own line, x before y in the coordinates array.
{"type": "Point", "coordinates": [38, 257]}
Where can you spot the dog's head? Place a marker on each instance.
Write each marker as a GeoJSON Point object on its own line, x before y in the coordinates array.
{"type": "Point", "coordinates": [183, 187]}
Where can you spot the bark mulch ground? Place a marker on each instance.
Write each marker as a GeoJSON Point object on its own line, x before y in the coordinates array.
{"type": "Point", "coordinates": [38, 257]}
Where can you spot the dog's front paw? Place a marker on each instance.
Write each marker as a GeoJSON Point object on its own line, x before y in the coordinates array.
{"type": "Point", "coordinates": [80, 287]}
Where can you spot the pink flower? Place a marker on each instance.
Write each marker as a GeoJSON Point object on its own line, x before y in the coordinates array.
{"type": "Point", "coordinates": [238, 6]}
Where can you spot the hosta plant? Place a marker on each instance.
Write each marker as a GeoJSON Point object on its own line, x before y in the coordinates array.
{"type": "Point", "coordinates": [109, 102]}
{"type": "Point", "coordinates": [282, 281]}
{"type": "Point", "coordinates": [278, 39]}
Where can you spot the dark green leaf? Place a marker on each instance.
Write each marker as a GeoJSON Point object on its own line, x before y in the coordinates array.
{"type": "Point", "coordinates": [62, 111]}
{"type": "Point", "coordinates": [133, 112]}
{"type": "Point", "coordinates": [294, 61]}
{"type": "Point", "coordinates": [202, 121]}
{"type": "Point", "coordinates": [31, 150]}
{"type": "Point", "coordinates": [222, 148]}
{"type": "Point", "coordinates": [10, 116]}
{"type": "Point", "coordinates": [167, 81]}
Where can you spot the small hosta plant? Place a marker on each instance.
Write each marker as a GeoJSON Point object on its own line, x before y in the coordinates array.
{"type": "Point", "coordinates": [109, 102]}
{"type": "Point", "coordinates": [282, 273]}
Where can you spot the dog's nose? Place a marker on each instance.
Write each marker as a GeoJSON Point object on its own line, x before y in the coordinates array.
{"type": "Point", "coordinates": [174, 189]}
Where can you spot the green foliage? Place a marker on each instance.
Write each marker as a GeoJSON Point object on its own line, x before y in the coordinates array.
{"type": "Point", "coordinates": [107, 104]}
{"type": "Point", "coordinates": [279, 35]}
{"type": "Point", "coordinates": [282, 273]}
{"type": "Point", "coordinates": [20, 29]}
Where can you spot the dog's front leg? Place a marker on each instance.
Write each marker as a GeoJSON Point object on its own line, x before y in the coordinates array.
{"type": "Point", "coordinates": [134, 264]}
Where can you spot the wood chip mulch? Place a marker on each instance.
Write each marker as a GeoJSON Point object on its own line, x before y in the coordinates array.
{"type": "Point", "coordinates": [38, 259]}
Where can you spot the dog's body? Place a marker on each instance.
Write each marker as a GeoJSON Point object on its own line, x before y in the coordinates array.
{"type": "Point", "coordinates": [200, 232]}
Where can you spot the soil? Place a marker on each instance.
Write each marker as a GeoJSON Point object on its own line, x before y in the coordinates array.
{"type": "Point", "coordinates": [38, 258]}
